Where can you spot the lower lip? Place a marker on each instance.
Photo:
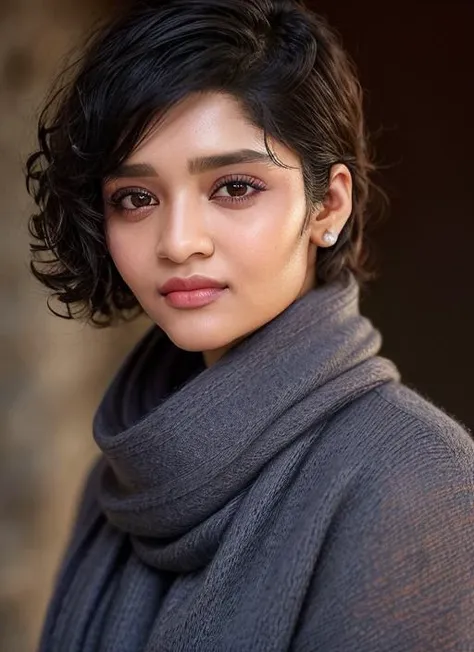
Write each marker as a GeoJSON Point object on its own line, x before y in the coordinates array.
{"type": "Point", "coordinates": [194, 298]}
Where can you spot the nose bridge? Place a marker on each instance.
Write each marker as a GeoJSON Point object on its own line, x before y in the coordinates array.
{"type": "Point", "coordinates": [185, 229]}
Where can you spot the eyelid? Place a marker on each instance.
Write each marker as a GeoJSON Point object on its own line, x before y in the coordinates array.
{"type": "Point", "coordinates": [119, 194]}
{"type": "Point", "coordinates": [229, 178]}
{"type": "Point", "coordinates": [239, 178]}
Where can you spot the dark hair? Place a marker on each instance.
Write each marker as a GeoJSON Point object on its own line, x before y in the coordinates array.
{"type": "Point", "coordinates": [280, 60]}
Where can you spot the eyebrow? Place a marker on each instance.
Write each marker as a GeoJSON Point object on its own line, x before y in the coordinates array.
{"type": "Point", "coordinates": [197, 165]}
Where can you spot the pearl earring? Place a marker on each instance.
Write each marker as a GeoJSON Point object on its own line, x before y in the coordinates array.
{"type": "Point", "coordinates": [330, 238]}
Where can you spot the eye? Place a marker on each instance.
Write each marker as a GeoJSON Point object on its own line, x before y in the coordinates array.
{"type": "Point", "coordinates": [132, 199]}
{"type": "Point", "coordinates": [237, 187]}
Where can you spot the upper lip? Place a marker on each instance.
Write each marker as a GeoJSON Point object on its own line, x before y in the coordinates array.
{"type": "Point", "coordinates": [191, 283]}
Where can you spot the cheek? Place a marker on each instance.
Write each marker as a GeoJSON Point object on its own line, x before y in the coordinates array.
{"type": "Point", "coordinates": [271, 240]}
{"type": "Point", "coordinates": [128, 252]}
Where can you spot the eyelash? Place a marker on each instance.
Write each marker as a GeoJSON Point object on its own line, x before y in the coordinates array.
{"type": "Point", "coordinates": [118, 196]}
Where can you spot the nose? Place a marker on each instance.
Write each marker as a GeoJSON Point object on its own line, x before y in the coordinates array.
{"type": "Point", "coordinates": [184, 232]}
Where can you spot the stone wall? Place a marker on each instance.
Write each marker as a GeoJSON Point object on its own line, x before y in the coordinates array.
{"type": "Point", "coordinates": [52, 371]}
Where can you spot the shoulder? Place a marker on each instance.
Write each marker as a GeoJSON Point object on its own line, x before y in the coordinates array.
{"type": "Point", "coordinates": [418, 461]}
{"type": "Point", "coordinates": [396, 572]}
{"type": "Point", "coordinates": [395, 426]}
{"type": "Point", "coordinates": [393, 437]}
{"type": "Point", "coordinates": [429, 438]}
{"type": "Point", "coordinates": [416, 412]}
{"type": "Point", "coordinates": [408, 475]}
{"type": "Point", "coordinates": [411, 500]}
{"type": "Point", "coordinates": [425, 462]}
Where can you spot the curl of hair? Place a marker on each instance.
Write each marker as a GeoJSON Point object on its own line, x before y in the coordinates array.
{"type": "Point", "coordinates": [281, 61]}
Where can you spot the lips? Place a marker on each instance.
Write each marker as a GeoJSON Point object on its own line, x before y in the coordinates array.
{"type": "Point", "coordinates": [188, 284]}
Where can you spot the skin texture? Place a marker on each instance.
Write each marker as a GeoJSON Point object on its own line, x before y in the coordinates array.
{"type": "Point", "coordinates": [182, 222]}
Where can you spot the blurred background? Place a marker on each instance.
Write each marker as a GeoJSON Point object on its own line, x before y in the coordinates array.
{"type": "Point", "coordinates": [416, 65]}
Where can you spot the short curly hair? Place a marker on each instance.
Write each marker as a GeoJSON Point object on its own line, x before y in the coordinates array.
{"type": "Point", "coordinates": [281, 61]}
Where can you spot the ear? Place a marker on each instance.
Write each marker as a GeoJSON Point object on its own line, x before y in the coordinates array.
{"type": "Point", "coordinates": [333, 212]}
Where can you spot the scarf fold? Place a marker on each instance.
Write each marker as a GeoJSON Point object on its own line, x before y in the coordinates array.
{"type": "Point", "coordinates": [178, 469]}
{"type": "Point", "coordinates": [194, 463]}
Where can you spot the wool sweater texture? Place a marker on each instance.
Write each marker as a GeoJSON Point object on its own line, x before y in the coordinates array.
{"type": "Point", "coordinates": [293, 496]}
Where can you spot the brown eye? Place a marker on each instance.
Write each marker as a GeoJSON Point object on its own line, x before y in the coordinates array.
{"type": "Point", "coordinates": [128, 199]}
{"type": "Point", "coordinates": [136, 200]}
{"type": "Point", "coordinates": [237, 188]}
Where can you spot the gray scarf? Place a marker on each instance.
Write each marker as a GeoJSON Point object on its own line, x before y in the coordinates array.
{"type": "Point", "coordinates": [179, 543]}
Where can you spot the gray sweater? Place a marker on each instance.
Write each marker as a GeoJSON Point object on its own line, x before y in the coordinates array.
{"type": "Point", "coordinates": [294, 496]}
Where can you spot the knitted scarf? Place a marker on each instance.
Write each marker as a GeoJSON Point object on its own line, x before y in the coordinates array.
{"type": "Point", "coordinates": [181, 541]}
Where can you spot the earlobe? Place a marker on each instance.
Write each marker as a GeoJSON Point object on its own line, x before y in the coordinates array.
{"type": "Point", "coordinates": [330, 237]}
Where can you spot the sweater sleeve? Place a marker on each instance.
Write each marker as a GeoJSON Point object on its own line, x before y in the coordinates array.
{"type": "Point", "coordinates": [397, 568]}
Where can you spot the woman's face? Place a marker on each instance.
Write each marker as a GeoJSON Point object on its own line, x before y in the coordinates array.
{"type": "Point", "coordinates": [173, 212]}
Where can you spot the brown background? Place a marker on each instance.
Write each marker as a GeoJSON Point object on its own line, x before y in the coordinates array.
{"type": "Point", "coordinates": [415, 63]}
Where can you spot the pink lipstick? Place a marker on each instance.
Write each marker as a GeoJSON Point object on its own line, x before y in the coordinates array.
{"type": "Point", "coordinates": [192, 292]}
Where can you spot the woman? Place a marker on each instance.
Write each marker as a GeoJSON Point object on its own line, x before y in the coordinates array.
{"type": "Point", "coordinates": [266, 482]}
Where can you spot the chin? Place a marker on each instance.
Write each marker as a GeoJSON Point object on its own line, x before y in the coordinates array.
{"type": "Point", "coordinates": [192, 342]}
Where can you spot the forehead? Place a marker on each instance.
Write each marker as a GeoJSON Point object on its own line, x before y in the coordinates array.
{"type": "Point", "coordinates": [202, 122]}
{"type": "Point", "coordinates": [205, 131]}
